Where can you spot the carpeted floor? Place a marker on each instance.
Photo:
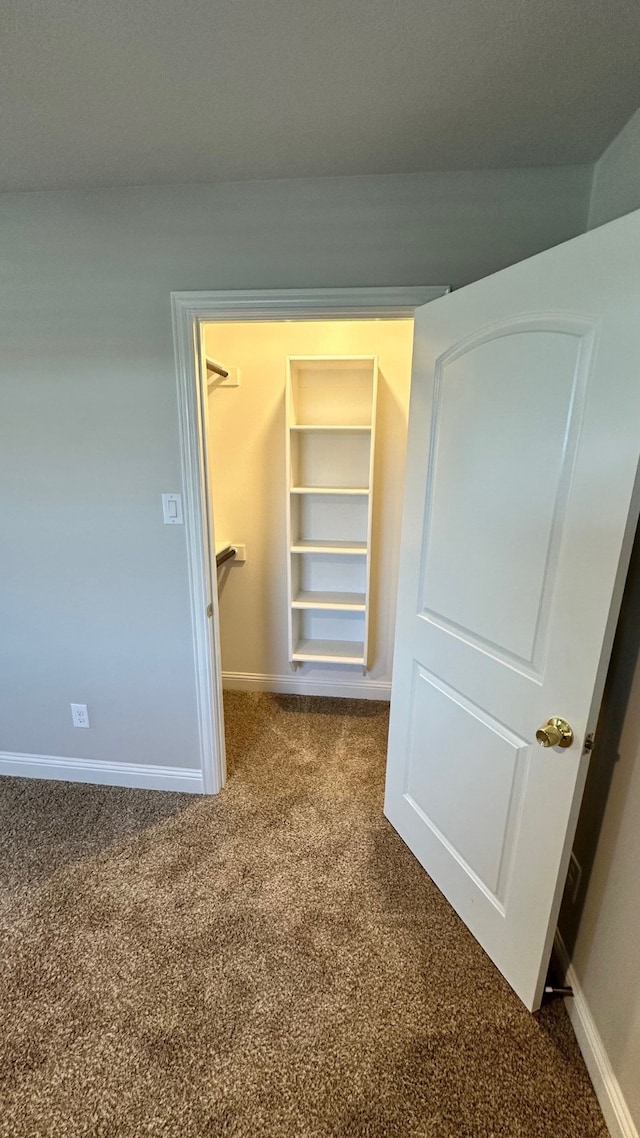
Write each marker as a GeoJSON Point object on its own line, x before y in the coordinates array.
{"type": "Point", "coordinates": [270, 963]}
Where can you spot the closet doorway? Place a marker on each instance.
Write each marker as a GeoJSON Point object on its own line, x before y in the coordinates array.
{"type": "Point", "coordinates": [303, 570]}
{"type": "Point", "coordinates": [305, 441]}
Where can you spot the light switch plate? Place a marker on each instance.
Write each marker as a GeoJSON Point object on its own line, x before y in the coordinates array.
{"type": "Point", "coordinates": [172, 509]}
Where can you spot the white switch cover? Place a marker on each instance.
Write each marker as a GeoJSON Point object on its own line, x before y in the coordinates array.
{"type": "Point", "coordinates": [172, 509]}
{"type": "Point", "coordinates": [80, 715]}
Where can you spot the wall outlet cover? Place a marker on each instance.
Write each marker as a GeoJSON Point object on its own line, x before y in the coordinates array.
{"type": "Point", "coordinates": [80, 715]}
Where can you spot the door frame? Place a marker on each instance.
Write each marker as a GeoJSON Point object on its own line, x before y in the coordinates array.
{"type": "Point", "coordinates": [190, 311]}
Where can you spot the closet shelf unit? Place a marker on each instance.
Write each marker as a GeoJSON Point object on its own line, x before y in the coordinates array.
{"type": "Point", "coordinates": [330, 446]}
{"type": "Point", "coordinates": [330, 490]}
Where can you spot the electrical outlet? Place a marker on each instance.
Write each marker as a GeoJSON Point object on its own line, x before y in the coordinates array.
{"type": "Point", "coordinates": [80, 715]}
{"type": "Point", "coordinates": [574, 874]}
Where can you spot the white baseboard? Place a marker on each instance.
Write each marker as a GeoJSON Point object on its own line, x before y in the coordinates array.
{"type": "Point", "coordinates": [361, 688]}
{"type": "Point", "coordinates": [139, 775]}
{"type": "Point", "coordinates": [609, 1094]}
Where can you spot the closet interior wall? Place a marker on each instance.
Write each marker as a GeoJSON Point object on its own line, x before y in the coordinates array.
{"type": "Point", "coordinates": [246, 450]}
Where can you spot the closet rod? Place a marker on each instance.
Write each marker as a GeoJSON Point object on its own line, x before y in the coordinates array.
{"type": "Point", "coordinates": [225, 555]}
{"type": "Point", "coordinates": [216, 368]}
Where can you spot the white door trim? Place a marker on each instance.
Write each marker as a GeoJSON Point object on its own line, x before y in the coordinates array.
{"type": "Point", "coordinates": [189, 311]}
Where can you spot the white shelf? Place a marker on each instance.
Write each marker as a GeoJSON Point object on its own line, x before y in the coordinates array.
{"type": "Point", "coordinates": [330, 439]}
{"type": "Point", "coordinates": [351, 548]}
{"type": "Point", "coordinates": [331, 390]}
{"type": "Point", "coordinates": [362, 490]}
{"type": "Point", "coordinates": [329, 651]}
{"type": "Point", "coordinates": [329, 427]}
{"type": "Point", "coordinates": [333, 602]}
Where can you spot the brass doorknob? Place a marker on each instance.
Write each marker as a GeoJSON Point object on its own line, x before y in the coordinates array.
{"type": "Point", "coordinates": [555, 733]}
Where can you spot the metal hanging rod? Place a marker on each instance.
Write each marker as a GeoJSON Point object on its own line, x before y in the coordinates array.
{"type": "Point", "coordinates": [225, 555]}
{"type": "Point", "coordinates": [216, 368]}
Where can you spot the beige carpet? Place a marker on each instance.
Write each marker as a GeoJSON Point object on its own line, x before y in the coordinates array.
{"type": "Point", "coordinates": [269, 963]}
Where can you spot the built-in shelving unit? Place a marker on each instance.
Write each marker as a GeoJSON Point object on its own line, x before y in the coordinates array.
{"type": "Point", "coordinates": [331, 418]}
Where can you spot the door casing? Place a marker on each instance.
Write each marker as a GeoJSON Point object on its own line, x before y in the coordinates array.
{"type": "Point", "coordinates": [190, 311]}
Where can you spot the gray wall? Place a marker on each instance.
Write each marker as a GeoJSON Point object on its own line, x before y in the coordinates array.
{"type": "Point", "coordinates": [616, 177]}
{"type": "Point", "coordinates": [602, 930]}
{"type": "Point", "coordinates": [94, 605]}
{"type": "Point", "coordinates": [602, 927]}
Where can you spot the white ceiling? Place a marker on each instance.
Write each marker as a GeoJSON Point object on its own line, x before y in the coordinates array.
{"type": "Point", "coordinates": [126, 92]}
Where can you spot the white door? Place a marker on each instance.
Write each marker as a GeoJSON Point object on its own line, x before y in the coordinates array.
{"type": "Point", "coordinates": [524, 441]}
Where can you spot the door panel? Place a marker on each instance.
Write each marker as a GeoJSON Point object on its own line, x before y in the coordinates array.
{"type": "Point", "coordinates": [522, 457]}
{"type": "Point", "coordinates": [517, 466]}
{"type": "Point", "coordinates": [466, 750]}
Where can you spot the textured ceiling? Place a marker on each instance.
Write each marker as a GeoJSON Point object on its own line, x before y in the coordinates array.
{"type": "Point", "coordinates": [127, 92]}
